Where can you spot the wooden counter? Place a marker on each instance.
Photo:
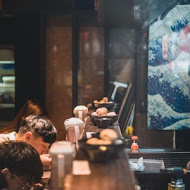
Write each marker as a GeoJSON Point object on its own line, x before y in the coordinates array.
{"type": "Point", "coordinates": [110, 175]}
{"type": "Point", "coordinates": [113, 174]}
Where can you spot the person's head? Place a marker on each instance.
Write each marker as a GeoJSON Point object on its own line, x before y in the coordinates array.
{"type": "Point", "coordinates": [33, 107]}
{"type": "Point", "coordinates": [20, 165]}
{"type": "Point", "coordinates": [38, 131]}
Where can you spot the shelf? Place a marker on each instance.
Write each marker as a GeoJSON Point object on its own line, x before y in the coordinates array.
{"type": "Point", "coordinates": [7, 62]}
{"type": "Point", "coordinates": [7, 105]}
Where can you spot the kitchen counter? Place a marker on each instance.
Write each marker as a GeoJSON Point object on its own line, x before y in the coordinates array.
{"type": "Point", "coordinates": [155, 179]}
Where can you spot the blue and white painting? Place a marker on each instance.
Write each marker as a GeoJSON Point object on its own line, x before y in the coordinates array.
{"type": "Point", "coordinates": [169, 71]}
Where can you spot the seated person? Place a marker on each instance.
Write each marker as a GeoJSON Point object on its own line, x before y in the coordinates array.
{"type": "Point", "coordinates": [33, 107]}
{"type": "Point", "coordinates": [37, 131]}
{"type": "Point", "coordinates": [20, 166]}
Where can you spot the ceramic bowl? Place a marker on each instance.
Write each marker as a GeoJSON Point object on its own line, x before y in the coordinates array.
{"type": "Point", "coordinates": [103, 121]}
{"type": "Point", "coordinates": [101, 153]}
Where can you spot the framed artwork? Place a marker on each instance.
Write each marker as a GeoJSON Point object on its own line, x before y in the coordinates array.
{"type": "Point", "coordinates": [169, 71]}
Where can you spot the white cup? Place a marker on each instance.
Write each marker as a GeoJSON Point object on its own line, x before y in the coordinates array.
{"type": "Point", "coordinates": [80, 112]}
{"type": "Point", "coordinates": [74, 127]}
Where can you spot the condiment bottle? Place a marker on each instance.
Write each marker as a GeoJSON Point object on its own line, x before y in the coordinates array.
{"type": "Point", "coordinates": [134, 145]}
{"type": "Point", "coordinates": [130, 131]}
{"type": "Point", "coordinates": [62, 153]}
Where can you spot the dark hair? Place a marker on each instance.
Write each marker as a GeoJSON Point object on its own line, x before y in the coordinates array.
{"type": "Point", "coordinates": [39, 126]}
{"type": "Point", "coordinates": [32, 106]}
{"type": "Point", "coordinates": [21, 159]}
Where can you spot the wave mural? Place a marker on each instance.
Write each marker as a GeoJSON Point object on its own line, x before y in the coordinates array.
{"type": "Point", "coordinates": [169, 71]}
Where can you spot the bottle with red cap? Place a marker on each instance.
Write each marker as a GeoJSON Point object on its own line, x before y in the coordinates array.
{"type": "Point", "coordinates": [134, 145]}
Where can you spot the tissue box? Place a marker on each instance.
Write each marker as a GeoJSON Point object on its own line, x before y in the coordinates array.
{"type": "Point", "coordinates": [151, 164]}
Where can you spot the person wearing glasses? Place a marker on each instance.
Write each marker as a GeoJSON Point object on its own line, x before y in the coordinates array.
{"type": "Point", "coordinates": [37, 131]}
{"type": "Point", "coordinates": [20, 166]}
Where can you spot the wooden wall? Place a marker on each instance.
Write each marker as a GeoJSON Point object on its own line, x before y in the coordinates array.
{"type": "Point", "coordinates": [58, 71]}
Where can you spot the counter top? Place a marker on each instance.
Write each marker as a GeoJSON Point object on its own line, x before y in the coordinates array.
{"type": "Point", "coordinates": [110, 175]}
{"type": "Point", "coordinates": [114, 174]}
{"type": "Point", "coordinates": [155, 179]}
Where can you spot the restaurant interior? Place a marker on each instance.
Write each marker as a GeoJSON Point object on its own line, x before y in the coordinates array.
{"type": "Point", "coordinates": [72, 52]}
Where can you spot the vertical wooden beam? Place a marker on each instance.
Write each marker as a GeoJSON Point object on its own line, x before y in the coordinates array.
{"type": "Point", "coordinates": [75, 31]}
